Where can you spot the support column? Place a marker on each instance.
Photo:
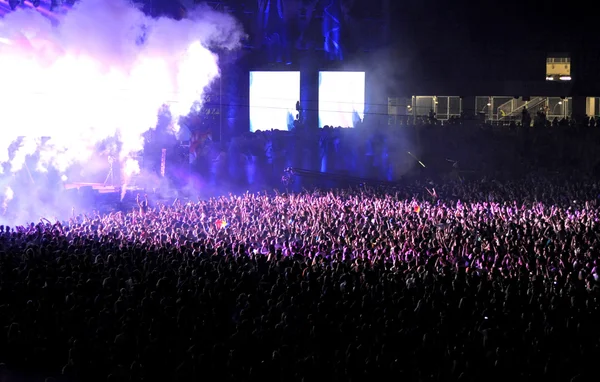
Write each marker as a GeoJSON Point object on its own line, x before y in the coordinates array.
{"type": "Point", "coordinates": [309, 97]}
{"type": "Point", "coordinates": [579, 107]}
{"type": "Point", "coordinates": [236, 101]}
{"type": "Point", "coordinates": [220, 108]}
{"type": "Point", "coordinates": [590, 106]}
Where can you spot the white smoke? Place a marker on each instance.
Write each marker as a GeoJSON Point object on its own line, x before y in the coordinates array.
{"type": "Point", "coordinates": [103, 71]}
{"type": "Point", "coordinates": [7, 197]}
{"type": "Point", "coordinates": [89, 78]}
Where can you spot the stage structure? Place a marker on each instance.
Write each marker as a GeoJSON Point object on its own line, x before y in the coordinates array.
{"type": "Point", "coordinates": [290, 31]}
{"type": "Point", "coordinates": [332, 30]}
{"type": "Point", "coordinates": [110, 177]}
{"type": "Point", "coordinates": [274, 30]}
{"type": "Point", "coordinates": [163, 162]}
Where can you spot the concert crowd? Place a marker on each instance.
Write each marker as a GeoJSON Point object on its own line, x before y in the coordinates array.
{"type": "Point", "coordinates": [454, 281]}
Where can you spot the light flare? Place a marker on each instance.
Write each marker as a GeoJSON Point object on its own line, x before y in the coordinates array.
{"type": "Point", "coordinates": [8, 196]}
{"type": "Point", "coordinates": [88, 79]}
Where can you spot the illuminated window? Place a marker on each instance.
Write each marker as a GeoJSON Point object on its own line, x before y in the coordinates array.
{"type": "Point", "coordinates": [558, 68]}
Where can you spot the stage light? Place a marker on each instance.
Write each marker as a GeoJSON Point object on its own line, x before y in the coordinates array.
{"type": "Point", "coordinates": [565, 78]}
{"type": "Point", "coordinates": [14, 4]}
{"type": "Point", "coordinates": [36, 3]}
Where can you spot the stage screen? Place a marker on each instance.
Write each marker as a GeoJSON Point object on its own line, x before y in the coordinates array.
{"type": "Point", "coordinates": [273, 97]}
{"type": "Point", "coordinates": [341, 98]}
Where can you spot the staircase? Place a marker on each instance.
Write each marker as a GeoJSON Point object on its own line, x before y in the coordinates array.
{"type": "Point", "coordinates": [513, 109]}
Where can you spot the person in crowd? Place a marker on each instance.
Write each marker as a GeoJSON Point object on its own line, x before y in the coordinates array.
{"type": "Point", "coordinates": [456, 281]}
{"type": "Point", "coordinates": [142, 204]}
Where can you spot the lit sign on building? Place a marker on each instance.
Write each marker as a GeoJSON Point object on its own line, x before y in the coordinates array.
{"type": "Point", "coordinates": [558, 69]}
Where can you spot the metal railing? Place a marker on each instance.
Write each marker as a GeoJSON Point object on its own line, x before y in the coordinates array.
{"type": "Point", "coordinates": [558, 60]}
{"type": "Point", "coordinates": [513, 108]}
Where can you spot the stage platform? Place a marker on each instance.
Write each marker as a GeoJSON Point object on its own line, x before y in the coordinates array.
{"type": "Point", "coordinates": [101, 188]}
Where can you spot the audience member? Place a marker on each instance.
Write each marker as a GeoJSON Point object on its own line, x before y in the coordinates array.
{"type": "Point", "coordinates": [429, 282]}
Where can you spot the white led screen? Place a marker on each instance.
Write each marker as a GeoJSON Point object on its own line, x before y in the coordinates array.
{"type": "Point", "coordinates": [341, 98]}
{"type": "Point", "coordinates": [273, 97]}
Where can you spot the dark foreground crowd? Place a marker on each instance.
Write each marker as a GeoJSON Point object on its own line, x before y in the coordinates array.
{"type": "Point", "coordinates": [463, 282]}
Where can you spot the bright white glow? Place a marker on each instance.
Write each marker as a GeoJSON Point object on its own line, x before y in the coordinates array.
{"type": "Point", "coordinates": [92, 79]}
{"type": "Point", "coordinates": [64, 178]}
{"type": "Point", "coordinates": [8, 196]}
{"type": "Point", "coordinates": [273, 97]}
{"type": "Point", "coordinates": [489, 104]}
{"type": "Point", "coordinates": [560, 102]}
{"type": "Point", "coordinates": [549, 78]}
{"type": "Point", "coordinates": [341, 98]}
{"type": "Point", "coordinates": [565, 78]}
{"type": "Point", "coordinates": [89, 78]}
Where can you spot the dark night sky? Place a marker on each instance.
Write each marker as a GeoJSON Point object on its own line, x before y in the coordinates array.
{"type": "Point", "coordinates": [485, 26]}
{"type": "Point", "coordinates": [488, 26]}
{"type": "Point", "coordinates": [455, 36]}
{"type": "Point", "coordinates": [472, 36]}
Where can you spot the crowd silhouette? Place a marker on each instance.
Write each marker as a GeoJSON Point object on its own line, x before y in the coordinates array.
{"type": "Point", "coordinates": [456, 281]}
{"type": "Point", "coordinates": [491, 276]}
